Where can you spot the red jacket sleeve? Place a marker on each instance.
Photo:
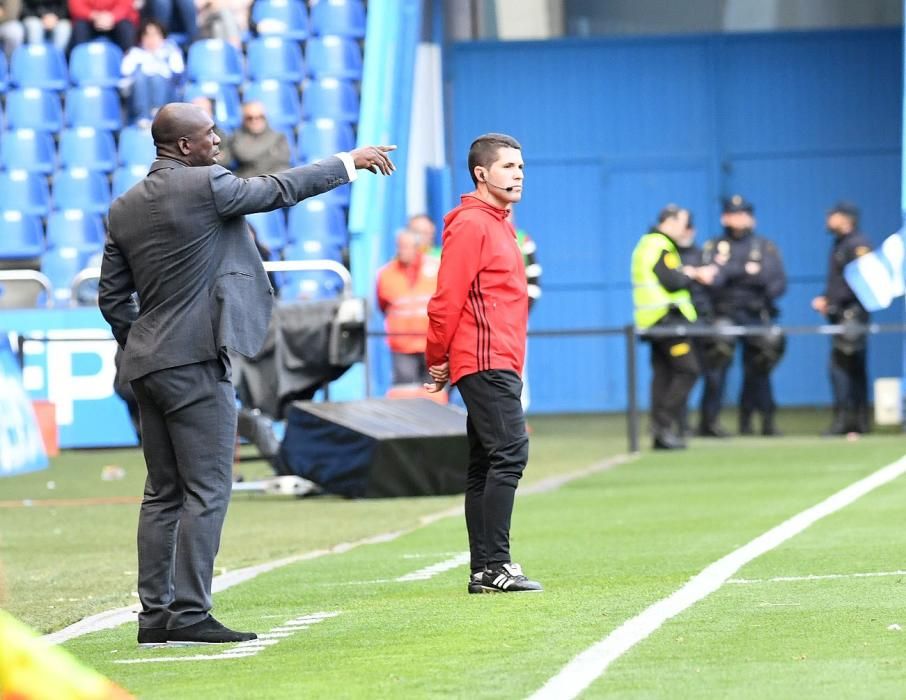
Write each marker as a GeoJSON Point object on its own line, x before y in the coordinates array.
{"type": "Point", "coordinates": [460, 261]}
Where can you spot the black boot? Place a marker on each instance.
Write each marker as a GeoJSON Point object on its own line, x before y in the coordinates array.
{"type": "Point", "coordinates": [745, 423]}
{"type": "Point", "coordinates": [768, 427]}
{"type": "Point", "coordinates": [838, 424]}
{"type": "Point", "coordinates": [862, 424]}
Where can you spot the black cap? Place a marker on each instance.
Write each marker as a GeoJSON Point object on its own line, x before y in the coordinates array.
{"type": "Point", "coordinates": [847, 209]}
{"type": "Point", "coordinates": [737, 203]}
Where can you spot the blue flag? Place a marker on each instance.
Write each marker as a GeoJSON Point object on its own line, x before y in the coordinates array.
{"type": "Point", "coordinates": [877, 278]}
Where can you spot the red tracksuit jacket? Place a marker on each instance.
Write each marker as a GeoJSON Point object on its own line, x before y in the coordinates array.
{"type": "Point", "coordinates": [478, 315]}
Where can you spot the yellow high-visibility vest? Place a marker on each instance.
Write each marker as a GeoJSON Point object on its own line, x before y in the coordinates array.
{"type": "Point", "coordinates": [650, 299]}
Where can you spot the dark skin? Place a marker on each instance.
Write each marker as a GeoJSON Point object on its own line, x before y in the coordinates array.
{"type": "Point", "coordinates": [184, 132]}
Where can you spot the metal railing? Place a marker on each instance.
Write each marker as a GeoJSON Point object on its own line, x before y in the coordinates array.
{"type": "Point", "coordinates": [34, 282]}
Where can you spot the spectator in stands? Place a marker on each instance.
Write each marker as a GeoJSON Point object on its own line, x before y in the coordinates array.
{"type": "Point", "coordinates": [11, 30]}
{"type": "Point", "coordinates": [223, 19]}
{"type": "Point", "coordinates": [152, 72]}
{"type": "Point", "coordinates": [207, 104]}
{"type": "Point", "coordinates": [404, 286]}
{"type": "Point", "coordinates": [423, 226]}
{"type": "Point", "coordinates": [177, 16]}
{"type": "Point", "coordinates": [47, 20]}
{"type": "Point", "coordinates": [256, 148]}
{"type": "Point", "coordinates": [112, 19]}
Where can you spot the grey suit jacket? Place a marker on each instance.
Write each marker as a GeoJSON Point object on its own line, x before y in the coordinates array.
{"type": "Point", "coordinates": [179, 239]}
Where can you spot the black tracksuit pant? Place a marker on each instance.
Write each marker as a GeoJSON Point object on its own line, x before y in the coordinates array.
{"type": "Point", "coordinates": [498, 452]}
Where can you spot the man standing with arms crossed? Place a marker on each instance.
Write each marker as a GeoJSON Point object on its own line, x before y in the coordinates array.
{"type": "Point", "coordinates": [476, 340]}
{"type": "Point", "coordinates": [179, 240]}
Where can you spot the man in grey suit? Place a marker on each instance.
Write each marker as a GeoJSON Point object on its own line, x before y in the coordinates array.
{"type": "Point", "coordinates": [179, 240]}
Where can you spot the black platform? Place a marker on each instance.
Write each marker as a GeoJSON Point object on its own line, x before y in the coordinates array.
{"type": "Point", "coordinates": [378, 448]}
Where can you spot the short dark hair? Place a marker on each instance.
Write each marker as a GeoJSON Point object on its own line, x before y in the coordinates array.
{"type": "Point", "coordinates": [848, 209]}
{"type": "Point", "coordinates": [149, 22]}
{"type": "Point", "coordinates": [483, 151]}
{"type": "Point", "coordinates": [671, 211]}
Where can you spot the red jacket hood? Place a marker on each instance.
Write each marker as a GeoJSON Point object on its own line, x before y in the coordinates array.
{"type": "Point", "coordinates": [471, 203]}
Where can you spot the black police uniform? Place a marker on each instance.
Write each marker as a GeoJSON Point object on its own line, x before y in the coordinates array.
{"type": "Point", "coordinates": [744, 297]}
{"type": "Point", "coordinates": [849, 377]}
{"type": "Point", "coordinates": [693, 255]}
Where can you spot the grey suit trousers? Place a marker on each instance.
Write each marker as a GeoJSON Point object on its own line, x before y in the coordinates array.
{"type": "Point", "coordinates": [188, 416]}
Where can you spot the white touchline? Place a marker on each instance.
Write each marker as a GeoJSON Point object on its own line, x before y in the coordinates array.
{"type": "Point", "coordinates": [109, 619]}
{"type": "Point", "coordinates": [241, 650]}
{"type": "Point", "coordinates": [816, 577]}
{"type": "Point", "coordinates": [435, 569]}
{"type": "Point", "coordinates": [582, 671]}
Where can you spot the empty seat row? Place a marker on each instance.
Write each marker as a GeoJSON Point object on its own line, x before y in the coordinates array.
{"type": "Point", "coordinates": [22, 235]}
{"type": "Point", "coordinates": [81, 147]}
{"type": "Point", "coordinates": [34, 108]}
{"type": "Point", "coordinates": [289, 18]}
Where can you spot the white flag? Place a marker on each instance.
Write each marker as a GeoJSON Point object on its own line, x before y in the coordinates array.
{"type": "Point", "coordinates": [877, 278]}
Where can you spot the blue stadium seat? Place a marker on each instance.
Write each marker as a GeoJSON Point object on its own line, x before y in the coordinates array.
{"type": "Point", "coordinates": [333, 57]}
{"type": "Point", "coordinates": [317, 220]}
{"type": "Point", "coordinates": [227, 108]}
{"type": "Point", "coordinates": [79, 188]}
{"type": "Point", "coordinates": [136, 146]}
{"type": "Point", "coordinates": [4, 72]}
{"type": "Point", "coordinates": [96, 63]}
{"type": "Point", "coordinates": [38, 65]}
{"type": "Point", "coordinates": [95, 107]}
{"type": "Point", "coordinates": [324, 137]}
{"type": "Point", "coordinates": [61, 264]}
{"type": "Point", "coordinates": [286, 18]}
{"type": "Point", "coordinates": [74, 228]}
{"type": "Point", "coordinates": [87, 147]}
{"type": "Point", "coordinates": [214, 59]}
{"type": "Point", "coordinates": [275, 57]}
{"type": "Point", "coordinates": [280, 100]}
{"type": "Point", "coordinates": [331, 98]}
{"type": "Point", "coordinates": [21, 235]}
{"type": "Point", "coordinates": [343, 17]}
{"type": "Point", "coordinates": [27, 149]}
{"type": "Point", "coordinates": [24, 191]}
{"type": "Point", "coordinates": [33, 108]}
{"type": "Point", "coordinates": [270, 228]}
{"type": "Point", "coordinates": [126, 177]}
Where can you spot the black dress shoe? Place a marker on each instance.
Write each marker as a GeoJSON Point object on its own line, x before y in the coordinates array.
{"type": "Point", "coordinates": [152, 636]}
{"type": "Point", "coordinates": [208, 631]}
{"type": "Point", "coordinates": [715, 430]}
{"type": "Point", "coordinates": [769, 428]}
{"type": "Point", "coordinates": [668, 441]}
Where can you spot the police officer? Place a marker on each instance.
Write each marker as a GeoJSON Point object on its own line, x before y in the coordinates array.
{"type": "Point", "coordinates": [849, 380]}
{"type": "Point", "coordinates": [744, 292]}
{"type": "Point", "coordinates": [661, 297]}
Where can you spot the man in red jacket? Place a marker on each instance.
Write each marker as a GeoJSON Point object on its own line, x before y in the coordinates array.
{"type": "Point", "coordinates": [114, 19]}
{"type": "Point", "coordinates": [476, 340]}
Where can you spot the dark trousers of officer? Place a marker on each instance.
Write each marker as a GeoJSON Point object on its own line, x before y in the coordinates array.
{"type": "Point", "coordinates": [674, 371]}
{"type": "Point", "coordinates": [498, 453]}
{"type": "Point", "coordinates": [756, 394]}
{"type": "Point", "coordinates": [849, 381]}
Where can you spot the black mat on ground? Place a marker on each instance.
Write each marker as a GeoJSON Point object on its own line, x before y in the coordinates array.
{"type": "Point", "coordinates": [378, 448]}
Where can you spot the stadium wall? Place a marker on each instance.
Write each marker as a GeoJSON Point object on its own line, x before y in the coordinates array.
{"type": "Point", "coordinates": [612, 129]}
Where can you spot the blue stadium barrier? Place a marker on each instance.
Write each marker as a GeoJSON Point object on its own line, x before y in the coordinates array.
{"type": "Point", "coordinates": [214, 59]}
{"type": "Point", "coordinates": [34, 108]}
{"type": "Point", "coordinates": [286, 18]}
{"type": "Point", "coordinates": [342, 17]}
{"type": "Point", "coordinates": [25, 191]}
{"type": "Point", "coordinates": [27, 149]}
{"type": "Point", "coordinates": [333, 57]}
{"type": "Point", "coordinates": [93, 106]}
{"type": "Point", "coordinates": [82, 189]}
{"type": "Point", "coordinates": [96, 63]}
{"type": "Point", "coordinates": [38, 65]}
{"type": "Point", "coordinates": [273, 57]}
{"type": "Point", "coordinates": [21, 235]}
{"type": "Point", "coordinates": [136, 146]}
{"type": "Point", "coordinates": [280, 100]}
{"type": "Point", "coordinates": [74, 228]}
{"type": "Point", "coordinates": [87, 147]}
{"type": "Point", "coordinates": [331, 98]}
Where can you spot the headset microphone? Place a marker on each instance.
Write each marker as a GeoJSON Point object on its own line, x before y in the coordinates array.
{"type": "Point", "coordinates": [491, 184]}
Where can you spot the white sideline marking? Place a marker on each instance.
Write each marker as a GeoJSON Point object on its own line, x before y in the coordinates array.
{"type": "Point", "coordinates": [110, 619]}
{"type": "Point", "coordinates": [435, 569]}
{"type": "Point", "coordinates": [816, 577]}
{"type": "Point", "coordinates": [582, 671]}
{"type": "Point", "coordinates": [242, 650]}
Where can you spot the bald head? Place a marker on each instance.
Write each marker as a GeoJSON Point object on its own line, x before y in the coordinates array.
{"type": "Point", "coordinates": [185, 132]}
